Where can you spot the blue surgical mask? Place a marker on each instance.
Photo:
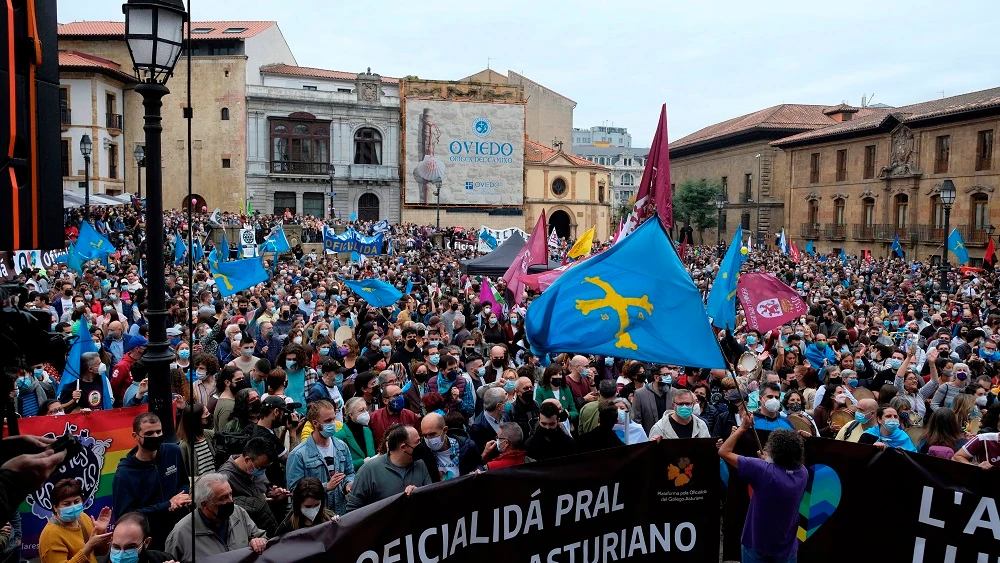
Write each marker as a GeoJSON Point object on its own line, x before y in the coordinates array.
{"type": "Point", "coordinates": [609, 361]}
{"type": "Point", "coordinates": [398, 403]}
{"type": "Point", "coordinates": [751, 340]}
{"type": "Point", "coordinates": [860, 364]}
{"type": "Point", "coordinates": [434, 359]}
{"type": "Point", "coordinates": [622, 416]}
{"type": "Point", "coordinates": [892, 424]}
{"type": "Point", "coordinates": [325, 351]}
{"type": "Point", "coordinates": [386, 349]}
{"type": "Point", "coordinates": [508, 386]}
{"type": "Point", "coordinates": [291, 364]}
{"type": "Point", "coordinates": [321, 314]}
{"type": "Point", "coordinates": [184, 354]}
{"type": "Point", "coordinates": [481, 371]}
{"type": "Point", "coordinates": [39, 373]}
{"type": "Point", "coordinates": [24, 382]}
{"type": "Point", "coordinates": [324, 332]}
{"type": "Point", "coordinates": [435, 343]}
{"type": "Point", "coordinates": [69, 514]}
{"type": "Point", "coordinates": [683, 411]}
{"type": "Point", "coordinates": [124, 555]}
{"type": "Point", "coordinates": [329, 429]}
{"type": "Point", "coordinates": [860, 417]}
{"type": "Point", "coordinates": [894, 363]}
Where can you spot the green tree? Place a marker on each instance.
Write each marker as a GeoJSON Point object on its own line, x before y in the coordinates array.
{"type": "Point", "coordinates": [694, 203]}
{"type": "Point", "coordinates": [622, 210]}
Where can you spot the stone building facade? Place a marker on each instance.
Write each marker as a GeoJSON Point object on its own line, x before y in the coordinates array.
{"type": "Point", "coordinates": [859, 183]}
{"type": "Point", "coordinates": [736, 154]}
{"type": "Point", "coordinates": [572, 190]}
{"type": "Point", "coordinates": [324, 143]}
{"type": "Point", "coordinates": [92, 99]}
{"type": "Point", "coordinates": [226, 57]}
{"type": "Point", "coordinates": [625, 168]}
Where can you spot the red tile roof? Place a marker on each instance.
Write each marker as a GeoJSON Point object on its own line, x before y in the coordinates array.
{"type": "Point", "coordinates": [293, 70]}
{"type": "Point", "coordinates": [75, 60]}
{"type": "Point", "coordinates": [537, 153]}
{"type": "Point", "coordinates": [865, 119]}
{"type": "Point", "coordinates": [841, 108]}
{"type": "Point", "coordinates": [782, 117]}
{"type": "Point", "coordinates": [117, 29]}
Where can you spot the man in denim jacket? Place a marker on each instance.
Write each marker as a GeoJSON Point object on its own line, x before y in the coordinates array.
{"type": "Point", "coordinates": [324, 457]}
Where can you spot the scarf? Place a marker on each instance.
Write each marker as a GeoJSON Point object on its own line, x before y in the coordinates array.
{"type": "Point", "coordinates": [898, 438]}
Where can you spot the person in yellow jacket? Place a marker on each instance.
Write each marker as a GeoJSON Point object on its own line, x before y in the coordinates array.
{"type": "Point", "coordinates": [71, 535]}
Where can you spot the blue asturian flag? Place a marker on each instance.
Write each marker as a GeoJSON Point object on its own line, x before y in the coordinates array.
{"type": "Point", "coordinates": [809, 248]}
{"type": "Point", "coordinates": [633, 301]}
{"type": "Point", "coordinates": [409, 286]}
{"type": "Point", "coordinates": [488, 238]}
{"type": "Point", "coordinates": [783, 243]}
{"type": "Point", "coordinates": [71, 373]}
{"type": "Point", "coordinates": [898, 248]}
{"type": "Point", "coordinates": [223, 248]}
{"type": "Point", "coordinates": [276, 242]}
{"type": "Point", "coordinates": [957, 246]}
{"type": "Point", "coordinates": [722, 297]}
{"type": "Point", "coordinates": [843, 255]}
{"type": "Point", "coordinates": [381, 227]}
{"type": "Point", "coordinates": [376, 292]}
{"type": "Point", "coordinates": [180, 249]}
{"type": "Point", "coordinates": [354, 216]}
{"type": "Point", "coordinates": [237, 275]}
{"type": "Point", "coordinates": [197, 251]}
{"type": "Point", "coordinates": [72, 258]}
{"type": "Point", "coordinates": [91, 244]}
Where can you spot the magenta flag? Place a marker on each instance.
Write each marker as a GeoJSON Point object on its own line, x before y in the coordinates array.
{"type": "Point", "coordinates": [654, 189]}
{"type": "Point", "coordinates": [767, 302]}
{"type": "Point", "coordinates": [534, 252]}
{"type": "Point", "coordinates": [486, 295]}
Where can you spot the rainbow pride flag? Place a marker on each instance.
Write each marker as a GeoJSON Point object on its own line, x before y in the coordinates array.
{"type": "Point", "coordinates": [106, 437]}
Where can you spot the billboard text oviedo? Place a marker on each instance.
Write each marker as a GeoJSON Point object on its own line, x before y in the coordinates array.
{"type": "Point", "coordinates": [475, 151]}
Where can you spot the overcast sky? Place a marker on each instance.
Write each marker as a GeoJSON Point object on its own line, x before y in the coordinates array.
{"type": "Point", "coordinates": [708, 61]}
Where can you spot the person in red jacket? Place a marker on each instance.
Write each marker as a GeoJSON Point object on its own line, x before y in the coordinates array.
{"type": "Point", "coordinates": [121, 376]}
{"type": "Point", "coordinates": [395, 412]}
{"type": "Point", "coordinates": [508, 449]}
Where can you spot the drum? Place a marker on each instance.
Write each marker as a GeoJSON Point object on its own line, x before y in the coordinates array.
{"type": "Point", "coordinates": [862, 393]}
{"type": "Point", "coordinates": [800, 422]}
{"type": "Point", "coordinates": [973, 426]}
{"type": "Point", "coordinates": [841, 418]}
{"type": "Point", "coordinates": [916, 433]}
{"type": "Point", "coordinates": [343, 333]}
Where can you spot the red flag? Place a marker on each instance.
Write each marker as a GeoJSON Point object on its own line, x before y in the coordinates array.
{"type": "Point", "coordinates": [795, 253]}
{"type": "Point", "coordinates": [684, 249]}
{"type": "Point", "coordinates": [867, 255]}
{"type": "Point", "coordinates": [535, 251]}
{"type": "Point", "coordinates": [654, 189]}
{"type": "Point", "coordinates": [990, 256]}
{"type": "Point", "coordinates": [767, 302]}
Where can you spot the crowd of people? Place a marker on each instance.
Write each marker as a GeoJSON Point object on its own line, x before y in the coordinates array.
{"type": "Point", "coordinates": [287, 420]}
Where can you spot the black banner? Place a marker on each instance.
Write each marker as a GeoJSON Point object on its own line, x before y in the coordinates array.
{"type": "Point", "coordinates": [647, 502]}
{"type": "Point", "coordinates": [888, 506]}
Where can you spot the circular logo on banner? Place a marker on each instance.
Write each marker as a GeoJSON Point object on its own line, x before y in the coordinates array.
{"type": "Point", "coordinates": [481, 126]}
{"type": "Point", "coordinates": [247, 237]}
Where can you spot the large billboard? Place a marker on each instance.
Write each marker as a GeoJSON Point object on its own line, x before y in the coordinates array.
{"type": "Point", "coordinates": [474, 150]}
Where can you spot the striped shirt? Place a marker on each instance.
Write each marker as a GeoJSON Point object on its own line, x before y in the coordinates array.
{"type": "Point", "coordinates": [203, 456]}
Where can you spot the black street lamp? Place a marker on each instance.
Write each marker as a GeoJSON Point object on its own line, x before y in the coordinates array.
{"type": "Point", "coordinates": [154, 31]}
{"type": "Point", "coordinates": [720, 204]}
{"type": "Point", "coordinates": [947, 200]}
{"type": "Point", "coordinates": [86, 147]}
{"type": "Point", "coordinates": [140, 161]}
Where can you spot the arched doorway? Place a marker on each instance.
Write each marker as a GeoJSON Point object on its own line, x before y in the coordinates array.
{"type": "Point", "coordinates": [199, 203]}
{"type": "Point", "coordinates": [368, 207]}
{"type": "Point", "coordinates": [559, 220]}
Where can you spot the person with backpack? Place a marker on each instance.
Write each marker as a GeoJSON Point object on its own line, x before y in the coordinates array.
{"type": "Point", "coordinates": [864, 418]}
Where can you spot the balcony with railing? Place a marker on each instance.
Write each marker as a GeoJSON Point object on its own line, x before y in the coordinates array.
{"type": "Point", "coordinates": [298, 167]}
{"type": "Point", "coordinates": [888, 232]}
{"type": "Point", "coordinates": [862, 231]}
{"type": "Point", "coordinates": [810, 231]}
{"type": "Point", "coordinates": [65, 116]}
{"type": "Point", "coordinates": [836, 232]}
{"type": "Point", "coordinates": [113, 121]}
{"type": "Point", "coordinates": [372, 173]}
{"type": "Point", "coordinates": [972, 236]}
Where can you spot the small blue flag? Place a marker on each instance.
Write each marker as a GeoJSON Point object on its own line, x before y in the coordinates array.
{"type": "Point", "coordinates": [633, 301]}
{"type": "Point", "coordinates": [354, 216]}
{"type": "Point", "coordinates": [380, 227]}
{"type": "Point", "coordinates": [180, 249]}
{"type": "Point", "coordinates": [376, 292]}
{"type": "Point", "coordinates": [898, 248]}
{"type": "Point", "coordinates": [91, 244]}
{"type": "Point", "coordinates": [722, 298]}
{"type": "Point", "coordinates": [957, 245]}
{"type": "Point", "coordinates": [276, 242]}
{"type": "Point", "coordinates": [809, 247]}
{"type": "Point", "coordinates": [237, 275]}
{"type": "Point", "coordinates": [71, 373]}
{"type": "Point", "coordinates": [223, 248]}
{"type": "Point", "coordinates": [409, 286]}
{"type": "Point", "coordinates": [843, 255]}
{"type": "Point", "coordinates": [488, 238]}
{"type": "Point", "coordinates": [197, 251]}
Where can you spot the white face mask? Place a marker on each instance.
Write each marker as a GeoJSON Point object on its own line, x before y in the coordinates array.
{"type": "Point", "coordinates": [297, 340]}
{"type": "Point", "coordinates": [310, 513]}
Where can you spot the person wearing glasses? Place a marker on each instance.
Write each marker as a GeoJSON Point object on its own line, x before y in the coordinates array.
{"type": "Point", "coordinates": [682, 421]}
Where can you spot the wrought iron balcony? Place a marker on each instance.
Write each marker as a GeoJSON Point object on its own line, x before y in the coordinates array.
{"type": "Point", "coordinates": [810, 231]}
{"type": "Point", "coordinates": [297, 167]}
{"type": "Point", "coordinates": [113, 120]}
{"type": "Point", "coordinates": [836, 232]}
{"type": "Point", "coordinates": [863, 231]}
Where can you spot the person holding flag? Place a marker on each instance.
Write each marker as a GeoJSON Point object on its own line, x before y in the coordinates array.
{"type": "Point", "coordinates": [582, 247]}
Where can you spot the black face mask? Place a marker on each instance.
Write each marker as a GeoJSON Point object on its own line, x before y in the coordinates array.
{"type": "Point", "coordinates": [454, 306]}
{"type": "Point", "coordinates": [498, 364]}
{"type": "Point", "coordinates": [469, 350]}
{"type": "Point", "coordinates": [556, 382]}
{"type": "Point", "coordinates": [284, 315]}
{"type": "Point", "coordinates": [152, 443]}
{"type": "Point", "coordinates": [294, 308]}
{"type": "Point", "coordinates": [411, 342]}
{"type": "Point", "coordinates": [224, 511]}
{"type": "Point", "coordinates": [525, 397]}
{"type": "Point", "coordinates": [243, 310]}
